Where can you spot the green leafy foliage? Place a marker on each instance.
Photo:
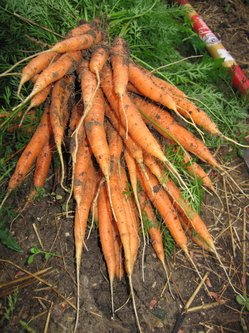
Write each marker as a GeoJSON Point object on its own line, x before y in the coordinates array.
{"type": "Point", "coordinates": [6, 237]}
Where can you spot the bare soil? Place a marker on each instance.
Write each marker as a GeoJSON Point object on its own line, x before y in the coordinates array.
{"type": "Point", "coordinates": [46, 303]}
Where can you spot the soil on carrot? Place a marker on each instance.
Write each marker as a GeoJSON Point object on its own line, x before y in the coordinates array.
{"type": "Point", "coordinates": [45, 302]}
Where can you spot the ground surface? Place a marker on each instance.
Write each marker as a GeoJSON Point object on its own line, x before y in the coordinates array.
{"type": "Point", "coordinates": [41, 303]}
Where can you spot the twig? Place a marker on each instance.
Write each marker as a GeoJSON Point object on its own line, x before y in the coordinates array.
{"type": "Point", "coordinates": [38, 236]}
{"type": "Point", "coordinates": [41, 280]}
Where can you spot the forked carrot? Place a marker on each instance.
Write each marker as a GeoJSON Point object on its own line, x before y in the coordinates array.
{"type": "Point", "coordinates": [106, 236]}
{"type": "Point", "coordinates": [35, 66]}
{"type": "Point", "coordinates": [61, 101]}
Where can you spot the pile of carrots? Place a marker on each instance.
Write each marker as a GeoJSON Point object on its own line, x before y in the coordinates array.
{"type": "Point", "coordinates": [115, 113]}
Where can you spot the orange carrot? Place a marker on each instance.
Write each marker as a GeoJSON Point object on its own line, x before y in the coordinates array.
{"type": "Point", "coordinates": [42, 166]}
{"type": "Point", "coordinates": [78, 43]}
{"type": "Point", "coordinates": [188, 213]}
{"type": "Point", "coordinates": [65, 65]}
{"type": "Point", "coordinates": [148, 88]}
{"type": "Point", "coordinates": [94, 126]}
{"type": "Point", "coordinates": [136, 126]}
{"type": "Point", "coordinates": [164, 85]}
{"type": "Point", "coordinates": [84, 185]}
{"type": "Point", "coordinates": [31, 151]}
{"type": "Point", "coordinates": [132, 218]}
{"type": "Point", "coordinates": [196, 170]}
{"type": "Point", "coordinates": [120, 53]}
{"type": "Point", "coordinates": [83, 27]}
{"type": "Point", "coordinates": [88, 83]}
{"type": "Point", "coordinates": [167, 126]}
{"type": "Point", "coordinates": [162, 203]}
{"type": "Point", "coordinates": [154, 227]}
{"type": "Point", "coordinates": [76, 114]}
{"type": "Point", "coordinates": [35, 66]}
{"type": "Point", "coordinates": [129, 142]}
{"type": "Point", "coordinates": [119, 271]}
{"type": "Point", "coordinates": [106, 234]}
{"type": "Point", "coordinates": [100, 54]}
{"type": "Point", "coordinates": [61, 101]}
{"type": "Point", "coordinates": [40, 97]}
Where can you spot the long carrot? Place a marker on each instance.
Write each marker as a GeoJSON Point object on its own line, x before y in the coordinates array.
{"type": "Point", "coordinates": [162, 203]}
{"type": "Point", "coordinates": [84, 185]}
{"type": "Point", "coordinates": [35, 66]}
{"type": "Point", "coordinates": [61, 103]}
{"type": "Point", "coordinates": [188, 213]}
{"type": "Point", "coordinates": [167, 126]}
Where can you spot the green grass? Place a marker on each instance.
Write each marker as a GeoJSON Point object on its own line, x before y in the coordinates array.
{"type": "Point", "coordinates": [158, 36]}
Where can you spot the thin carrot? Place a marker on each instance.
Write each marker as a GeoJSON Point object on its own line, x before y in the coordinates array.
{"type": "Point", "coordinates": [37, 100]}
{"type": "Point", "coordinates": [83, 27]}
{"type": "Point", "coordinates": [42, 166]}
{"type": "Point", "coordinates": [30, 153]}
{"type": "Point", "coordinates": [167, 126]}
{"type": "Point", "coordinates": [78, 43]}
{"type": "Point", "coordinates": [162, 203]}
{"type": "Point", "coordinates": [65, 65]}
{"type": "Point", "coordinates": [84, 185]}
{"type": "Point", "coordinates": [132, 218]}
{"type": "Point", "coordinates": [120, 53]}
{"type": "Point", "coordinates": [61, 101]}
{"type": "Point", "coordinates": [119, 271]}
{"type": "Point", "coordinates": [189, 215]}
{"type": "Point", "coordinates": [197, 171]}
{"type": "Point", "coordinates": [148, 88]}
{"type": "Point", "coordinates": [106, 236]}
{"type": "Point", "coordinates": [35, 66]}
{"type": "Point", "coordinates": [154, 229]}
